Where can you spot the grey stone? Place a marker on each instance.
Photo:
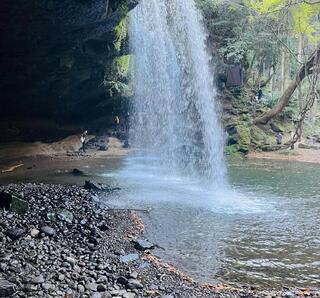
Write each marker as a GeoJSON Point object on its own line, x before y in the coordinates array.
{"type": "Point", "coordinates": [134, 284]}
{"type": "Point", "coordinates": [71, 260]}
{"type": "Point", "coordinates": [101, 288]}
{"type": "Point", "coordinates": [48, 231]}
{"type": "Point", "coordinates": [129, 258]}
{"type": "Point", "coordinates": [37, 279]}
{"type": "Point", "coordinates": [133, 275]}
{"type": "Point", "coordinates": [65, 215]}
{"type": "Point", "coordinates": [46, 286]}
{"type": "Point", "coordinates": [34, 233]}
{"type": "Point", "coordinates": [7, 289]}
{"type": "Point", "coordinates": [142, 244]}
{"type": "Point", "coordinates": [129, 295]}
{"type": "Point", "coordinates": [77, 172]}
{"type": "Point", "coordinates": [61, 277]}
{"type": "Point", "coordinates": [81, 288]}
{"type": "Point", "coordinates": [91, 287]}
{"type": "Point", "coordinates": [15, 233]}
{"type": "Point", "coordinates": [122, 280]}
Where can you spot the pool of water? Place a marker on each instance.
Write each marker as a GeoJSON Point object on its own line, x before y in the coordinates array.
{"type": "Point", "coordinates": [262, 230]}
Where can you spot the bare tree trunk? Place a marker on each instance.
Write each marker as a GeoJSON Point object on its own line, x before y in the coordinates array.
{"type": "Point", "coordinates": [300, 94]}
{"type": "Point", "coordinates": [283, 72]}
{"type": "Point", "coordinates": [304, 71]}
{"type": "Point", "coordinates": [300, 59]}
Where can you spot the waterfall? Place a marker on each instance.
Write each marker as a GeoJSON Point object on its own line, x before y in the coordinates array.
{"type": "Point", "coordinates": [174, 114]}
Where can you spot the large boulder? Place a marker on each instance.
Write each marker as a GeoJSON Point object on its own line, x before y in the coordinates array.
{"type": "Point", "coordinates": [13, 203]}
{"type": "Point", "coordinates": [7, 288]}
{"type": "Point", "coordinates": [240, 136]}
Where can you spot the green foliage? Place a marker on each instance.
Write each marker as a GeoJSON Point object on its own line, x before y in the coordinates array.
{"type": "Point", "coordinates": [301, 15]}
{"type": "Point", "coordinates": [118, 77]}
{"type": "Point", "coordinates": [238, 38]}
{"type": "Point", "coordinates": [232, 150]}
{"type": "Point", "coordinates": [120, 67]}
{"type": "Point", "coordinates": [121, 31]}
{"type": "Point", "coordinates": [243, 136]}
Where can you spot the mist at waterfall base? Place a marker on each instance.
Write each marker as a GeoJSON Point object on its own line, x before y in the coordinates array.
{"type": "Point", "coordinates": [176, 169]}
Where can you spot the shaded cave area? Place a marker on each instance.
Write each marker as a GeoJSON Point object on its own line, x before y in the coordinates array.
{"type": "Point", "coordinates": [64, 66]}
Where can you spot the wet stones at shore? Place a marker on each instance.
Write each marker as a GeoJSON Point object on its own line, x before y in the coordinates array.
{"type": "Point", "coordinates": [91, 255]}
{"type": "Point", "coordinates": [99, 187]}
{"type": "Point", "coordinates": [63, 246]}
{"type": "Point", "coordinates": [77, 172]}
{"type": "Point", "coordinates": [142, 244]}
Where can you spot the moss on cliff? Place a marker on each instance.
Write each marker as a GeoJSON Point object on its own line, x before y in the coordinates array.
{"type": "Point", "coordinates": [117, 77]}
{"type": "Point", "coordinates": [120, 67]}
{"type": "Point", "coordinates": [121, 31]}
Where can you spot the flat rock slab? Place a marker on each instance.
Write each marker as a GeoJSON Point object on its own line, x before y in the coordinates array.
{"type": "Point", "coordinates": [129, 258]}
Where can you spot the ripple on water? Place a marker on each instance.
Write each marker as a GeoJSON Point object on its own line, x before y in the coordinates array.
{"type": "Point", "coordinates": [249, 233]}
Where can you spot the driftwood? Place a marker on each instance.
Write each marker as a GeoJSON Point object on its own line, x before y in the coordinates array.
{"type": "Point", "coordinates": [12, 168]}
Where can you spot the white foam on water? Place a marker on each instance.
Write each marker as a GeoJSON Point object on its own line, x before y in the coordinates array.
{"type": "Point", "coordinates": [145, 180]}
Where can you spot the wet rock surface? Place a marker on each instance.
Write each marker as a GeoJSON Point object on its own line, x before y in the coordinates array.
{"type": "Point", "coordinates": [49, 256]}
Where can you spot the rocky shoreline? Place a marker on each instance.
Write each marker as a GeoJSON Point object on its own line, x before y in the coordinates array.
{"type": "Point", "coordinates": [59, 241]}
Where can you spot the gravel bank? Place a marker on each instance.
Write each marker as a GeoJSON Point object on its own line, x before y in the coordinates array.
{"type": "Point", "coordinates": [68, 245]}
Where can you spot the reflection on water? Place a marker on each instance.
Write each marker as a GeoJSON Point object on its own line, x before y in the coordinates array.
{"type": "Point", "coordinates": [265, 231]}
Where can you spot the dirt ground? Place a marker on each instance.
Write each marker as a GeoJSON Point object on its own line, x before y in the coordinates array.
{"type": "Point", "coordinates": [52, 163]}
{"type": "Point", "coordinates": [301, 155]}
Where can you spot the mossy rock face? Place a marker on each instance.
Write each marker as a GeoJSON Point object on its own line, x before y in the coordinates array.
{"type": "Point", "coordinates": [243, 138]}
{"type": "Point", "coordinates": [258, 136]}
{"type": "Point", "coordinates": [239, 138]}
{"type": "Point", "coordinates": [121, 32]}
{"type": "Point", "coordinates": [276, 127]}
{"type": "Point", "coordinates": [232, 150]}
{"type": "Point", "coordinates": [117, 78]}
{"type": "Point", "coordinates": [120, 67]}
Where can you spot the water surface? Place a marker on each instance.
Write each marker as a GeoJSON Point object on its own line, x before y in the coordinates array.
{"type": "Point", "coordinates": [263, 231]}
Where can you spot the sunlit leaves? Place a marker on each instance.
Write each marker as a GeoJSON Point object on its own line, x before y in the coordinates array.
{"type": "Point", "coordinates": [301, 15]}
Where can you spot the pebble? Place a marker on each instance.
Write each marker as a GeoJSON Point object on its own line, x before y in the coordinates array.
{"type": "Point", "coordinates": [37, 280]}
{"type": "Point", "coordinates": [48, 231]}
{"type": "Point", "coordinates": [134, 284]}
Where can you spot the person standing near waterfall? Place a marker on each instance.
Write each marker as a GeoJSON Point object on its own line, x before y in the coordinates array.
{"type": "Point", "coordinates": [116, 122]}
{"type": "Point", "coordinates": [83, 140]}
